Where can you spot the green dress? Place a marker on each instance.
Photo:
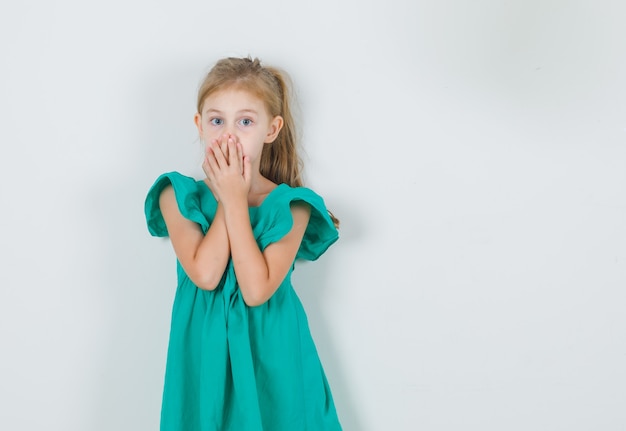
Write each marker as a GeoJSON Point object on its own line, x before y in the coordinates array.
{"type": "Point", "coordinates": [234, 367]}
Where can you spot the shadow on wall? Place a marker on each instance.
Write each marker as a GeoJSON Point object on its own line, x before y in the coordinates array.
{"type": "Point", "coordinates": [311, 283]}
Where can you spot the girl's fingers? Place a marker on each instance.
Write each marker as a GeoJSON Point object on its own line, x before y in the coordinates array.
{"type": "Point", "coordinates": [233, 155]}
{"type": "Point", "coordinates": [218, 154]}
{"type": "Point", "coordinates": [247, 169]}
{"type": "Point", "coordinates": [209, 151]}
{"type": "Point", "coordinates": [216, 160]}
{"type": "Point", "coordinates": [240, 157]}
{"type": "Point", "coordinates": [224, 145]}
{"type": "Point", "coordinates": [210, 164]}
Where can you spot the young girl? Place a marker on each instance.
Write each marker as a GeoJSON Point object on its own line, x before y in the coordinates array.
{"type": "Point", "coordinates": [241, 356]}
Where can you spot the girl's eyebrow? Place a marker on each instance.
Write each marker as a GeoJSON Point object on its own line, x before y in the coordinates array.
{"type": "Point", "coordinates": [217, 111]}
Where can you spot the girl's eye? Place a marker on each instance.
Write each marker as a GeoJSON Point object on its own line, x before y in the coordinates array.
{"type": "Point", "coordinates": [246, 122]}
{"type": "Point", "coordinates": [216, 121]}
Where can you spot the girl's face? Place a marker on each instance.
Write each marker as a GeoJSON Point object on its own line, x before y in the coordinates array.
{"type": "Point", "coordinates": [241, 114]}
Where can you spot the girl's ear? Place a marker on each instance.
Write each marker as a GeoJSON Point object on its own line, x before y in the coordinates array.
{"type": "Point", "coordinates": [198, 120]}
{"type": "Point", "coordinates": [274, 129]}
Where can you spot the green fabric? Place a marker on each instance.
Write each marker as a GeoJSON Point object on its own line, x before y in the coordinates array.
{"type": "Point", "coordinates": [240, 368]}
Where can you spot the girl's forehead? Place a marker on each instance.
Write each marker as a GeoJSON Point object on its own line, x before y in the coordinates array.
{"type": "Point", "coordinates": [233, 98]}
{"type": "Point", "coordinates": [232, 95]}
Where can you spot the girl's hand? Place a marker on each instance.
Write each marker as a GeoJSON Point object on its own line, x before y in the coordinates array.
{"type": "Point", "coordinates": [227, 170]}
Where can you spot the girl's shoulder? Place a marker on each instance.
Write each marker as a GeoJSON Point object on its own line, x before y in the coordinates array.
{"type": "Point", "coordinates": [276, 209]}
{"type": "Point", "coordinates": [284, 195]}
{"type": "Point", "coordinates": [178, 177]}
{"type": "Point", "coordinates": [190, 195]}
{"type": "Point", "coordinates": [285, 191]}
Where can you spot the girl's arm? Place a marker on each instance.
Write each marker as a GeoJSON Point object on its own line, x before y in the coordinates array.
{"type": "Point", "coordinates": [260, 273]}
{"type": "Point", "coordinates": [203, 257]}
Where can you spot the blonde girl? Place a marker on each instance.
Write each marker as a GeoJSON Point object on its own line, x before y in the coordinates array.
{"type": "Point", "coordinates": [241, 356]}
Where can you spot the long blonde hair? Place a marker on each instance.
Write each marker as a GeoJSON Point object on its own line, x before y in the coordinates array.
{"type": "Point", "coordinates": [280, 161]}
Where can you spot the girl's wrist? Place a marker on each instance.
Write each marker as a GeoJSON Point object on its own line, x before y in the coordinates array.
{"type": "Point", "coordinates": [235, 201]}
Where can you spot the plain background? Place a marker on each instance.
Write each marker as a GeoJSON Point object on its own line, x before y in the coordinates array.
{"type": "Point", "coordinates": [475, 153]}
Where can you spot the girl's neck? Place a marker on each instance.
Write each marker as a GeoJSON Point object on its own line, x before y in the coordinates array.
{"type": "Point", "coordinates": [260, 187]}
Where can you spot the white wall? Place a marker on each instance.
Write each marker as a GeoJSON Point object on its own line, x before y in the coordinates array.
{"type": "Point", "coordinates": [474, 151]}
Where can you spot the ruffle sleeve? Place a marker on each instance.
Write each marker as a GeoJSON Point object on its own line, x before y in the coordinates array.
{"type": "Point", "coordinates": [187, 197]}
{"type": "Point", "coordinates": [320, 233]}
